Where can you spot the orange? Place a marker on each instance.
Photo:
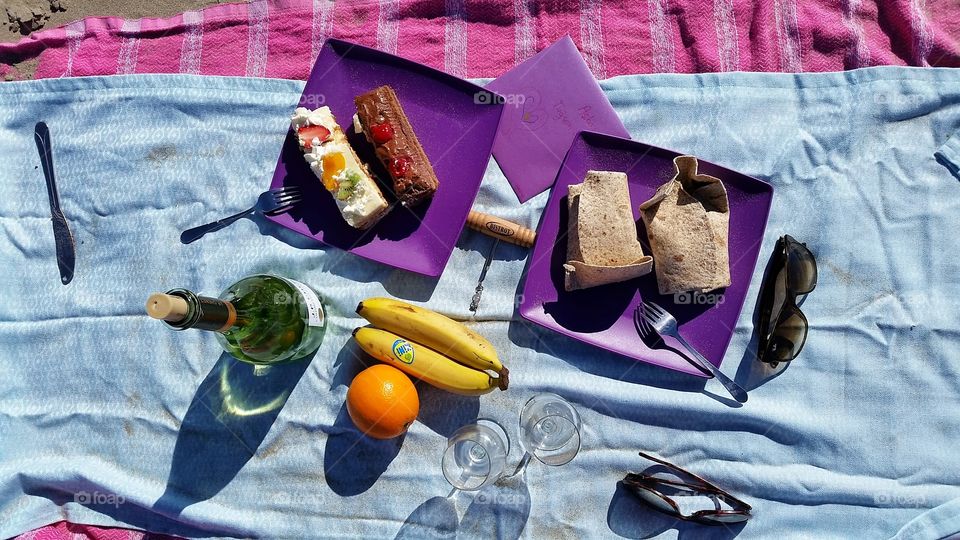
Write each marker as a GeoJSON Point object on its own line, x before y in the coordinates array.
{"type": "Point", "coordinates": [382, 402]}
{"type": "Point", "coordinates": [333, 163]}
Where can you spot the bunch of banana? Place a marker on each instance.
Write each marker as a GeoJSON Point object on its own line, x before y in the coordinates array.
{"type": "Point", "coordinates": [429, 346]}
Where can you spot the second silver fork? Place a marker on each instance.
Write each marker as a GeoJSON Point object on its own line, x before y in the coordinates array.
{"type": "Point", "coordinates": [655, 318]}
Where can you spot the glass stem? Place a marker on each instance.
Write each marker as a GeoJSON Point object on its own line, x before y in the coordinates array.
{"type": "Point", "coordinates": [522, 466]}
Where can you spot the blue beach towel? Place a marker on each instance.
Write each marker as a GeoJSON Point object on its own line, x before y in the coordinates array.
{"type": "Point", "coordinates": [110, 418]}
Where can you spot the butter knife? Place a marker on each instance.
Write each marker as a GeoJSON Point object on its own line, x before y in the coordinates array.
{"type": "Point", "coordinates": [66, 249]}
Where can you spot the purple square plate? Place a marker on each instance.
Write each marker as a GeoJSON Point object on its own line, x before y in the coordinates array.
{"type": "Point", "coordinates": [455, 128]}
{"type": "Point", "coordinates": [603, 316]}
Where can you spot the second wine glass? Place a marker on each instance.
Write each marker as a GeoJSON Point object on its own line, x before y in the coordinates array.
{"type": "Point", "coordinates": [476, 455]}
{"type": "Point", "coordinates": [549, 431]}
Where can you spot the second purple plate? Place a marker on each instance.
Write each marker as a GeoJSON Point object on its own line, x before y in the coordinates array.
{"type": "Point", "coordinates": [455, 126]}
{"type": "Point", "coordinates": [603, 316]}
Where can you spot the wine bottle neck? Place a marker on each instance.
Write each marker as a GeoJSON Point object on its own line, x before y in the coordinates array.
{"type": "Point", "coordinates": [202, 312]}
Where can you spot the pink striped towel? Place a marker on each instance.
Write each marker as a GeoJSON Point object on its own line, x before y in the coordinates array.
{"type": "Point", "coordinates": [70, 531]}
{"type": "Point", "coordinates": [485, 38]}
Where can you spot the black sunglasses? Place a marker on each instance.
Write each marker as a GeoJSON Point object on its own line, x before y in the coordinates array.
{"type": "Point", "coordinates": [781, 324]}
{"type": "Point", "coordinates": [650, 489]}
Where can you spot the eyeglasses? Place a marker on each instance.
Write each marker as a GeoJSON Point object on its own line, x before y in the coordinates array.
{"type": "Point", "coordinates": [792, 273]}
{"type": "Point", "coordinates": [654, 491]}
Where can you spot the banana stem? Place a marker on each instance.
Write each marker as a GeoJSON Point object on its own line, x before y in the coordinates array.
{"type": "Point", "coordinates": [504, 380]}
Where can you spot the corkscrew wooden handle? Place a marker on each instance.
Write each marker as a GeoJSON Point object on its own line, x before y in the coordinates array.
{"type": "Point", "coordinates": [503, 229]}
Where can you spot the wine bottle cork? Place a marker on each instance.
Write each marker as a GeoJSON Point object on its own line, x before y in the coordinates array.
{"type": "Point", "coordinates": [503, 229]}
{"type": "Point", "coordinates": [167, 307]}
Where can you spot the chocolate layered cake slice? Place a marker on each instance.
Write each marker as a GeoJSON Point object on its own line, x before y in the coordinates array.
{"type": "Point", "coordinates": [383, 122]}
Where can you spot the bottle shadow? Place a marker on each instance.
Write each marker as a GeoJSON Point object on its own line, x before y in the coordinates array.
{"type": "Point", "coordinates": [628, 517]}
{"type": "Point", "coordinates": [230, 414]}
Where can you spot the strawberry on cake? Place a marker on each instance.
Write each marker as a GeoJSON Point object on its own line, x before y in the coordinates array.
{"type": "Point", "coordinates": [335, 163]}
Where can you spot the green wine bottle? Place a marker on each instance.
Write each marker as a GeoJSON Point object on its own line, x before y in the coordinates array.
{"type": "Point", "coordinates": [260, 319]}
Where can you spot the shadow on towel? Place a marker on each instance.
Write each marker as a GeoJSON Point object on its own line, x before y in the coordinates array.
{"type": "Point", "coordinates": [435, 518]}
{"type": "Point", "coordinates": [630, 518]}
{"type": "Point", "coordinates": [445, 412]}
{"type": "Point", "coordinates": [227, 420]}
{"type": "Point", "coordinates": [500, 510]}
{"type": "Point", "coordinates": [598, 361]}
{"type": "Point", "coordinates": [129, 512]}
{"type": "Point", "coordinates": [398, 283]}
{"type": "Point", "coordinates": [353, 462]}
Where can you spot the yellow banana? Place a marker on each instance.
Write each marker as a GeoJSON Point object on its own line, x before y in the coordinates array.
{"type": "Point", "coordinates": [439, 332]}
{"type": "Point", "coordinates": [423, 362]}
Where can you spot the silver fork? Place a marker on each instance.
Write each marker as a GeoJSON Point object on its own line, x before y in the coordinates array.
{"type": "Point", "coordinates": [655, 318]}
{"type": "Point", "coordinates": [271, 202]}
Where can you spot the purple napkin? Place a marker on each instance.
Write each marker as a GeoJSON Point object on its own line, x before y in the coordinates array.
{"type": "Point", "coordinates": [549, 98]}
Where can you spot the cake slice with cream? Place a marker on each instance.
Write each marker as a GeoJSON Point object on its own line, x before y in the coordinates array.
{"type": "Point", "coordinates": [335, 163]}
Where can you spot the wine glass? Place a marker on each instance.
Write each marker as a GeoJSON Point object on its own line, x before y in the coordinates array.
{"type": "Point", "coordinates": [549, 431]}
{"type": "Point", "coordinates": [476, 455]}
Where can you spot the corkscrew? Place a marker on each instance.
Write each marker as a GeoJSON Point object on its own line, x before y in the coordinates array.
{"type": "Point", "coordinates": [499, 229]}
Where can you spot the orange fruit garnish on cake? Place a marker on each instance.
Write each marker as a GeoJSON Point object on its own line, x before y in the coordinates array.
{"type": "Point", "coordinates": [382, 402]}
{"type": "Point", "coordinates": [333, 164]}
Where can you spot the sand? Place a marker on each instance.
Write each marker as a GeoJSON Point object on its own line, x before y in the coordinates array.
{"type": "Point", "coordinates": [21, 17]}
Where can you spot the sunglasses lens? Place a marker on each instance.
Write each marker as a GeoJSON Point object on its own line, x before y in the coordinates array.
{"type": "Point", "coordinates": [788, 337]}
{"type": "Point", "coordinates": [652, 499]}
{"type": "Point", "coordinates": [731, 517]}
{"type": "Point", "coordinates": [801, 267]}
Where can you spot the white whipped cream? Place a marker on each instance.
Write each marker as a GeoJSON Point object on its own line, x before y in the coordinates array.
{"type": "Point", "coordinates": [315, 156]}
{"type": "Point", "coordinates": [317, 117]}
{"type": "Point", "coordinates": [362, 203]}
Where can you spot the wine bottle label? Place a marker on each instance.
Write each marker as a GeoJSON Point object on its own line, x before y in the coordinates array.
{"type": "Point", "coordinates": [315, 316]}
